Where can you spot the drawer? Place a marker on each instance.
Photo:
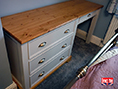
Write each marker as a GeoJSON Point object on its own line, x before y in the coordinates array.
{"type": "Point", "coordinates": [41, 43]}
{"type": "Point", "coordinates": [49, 67]}
{"type": "Point", "coordinates": [86, 17]}
{"type": "Point", "coordinates": [41, 60]}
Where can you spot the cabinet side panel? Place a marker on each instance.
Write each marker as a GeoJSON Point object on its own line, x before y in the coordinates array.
{"type": "Point", "coordinates": [14, 59]}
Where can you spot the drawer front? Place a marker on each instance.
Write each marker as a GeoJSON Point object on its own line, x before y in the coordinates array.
{"type": "Point", "coordinates": [86, 17]}
{"type": "Point", "coordinates": [41, 60]}
{"type": "Point", "coordinates": [49, 67]}
{"type": "Point", "coordinates": [46, 40]}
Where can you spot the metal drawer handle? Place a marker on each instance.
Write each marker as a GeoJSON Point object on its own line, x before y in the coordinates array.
{"type": "Point", "coordinates": [64, 45]}
{"type": "Point", "coordinates": [41, 74]}
{"type": "Point", "coordinates": [89, 15]}
{"type": "Point", "coordinates": [67, 31]}
{"type": "Point", "coordinates": [62, 58]}
{"type": "Point", "coordinates": [41, 61]}
{"type": "Point", "coordinates": [42, 44]}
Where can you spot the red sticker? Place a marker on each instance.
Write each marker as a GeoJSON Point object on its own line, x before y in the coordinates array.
{"type": "Point", "coordinates": [107, 81]}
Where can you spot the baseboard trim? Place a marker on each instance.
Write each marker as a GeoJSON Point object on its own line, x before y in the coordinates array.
{"type": "Point", "coordinates": [12, 86]}
{"type": "Point", "coordinates": [95, 40]}
{"type": "Point", "coordinates": [17, 82]}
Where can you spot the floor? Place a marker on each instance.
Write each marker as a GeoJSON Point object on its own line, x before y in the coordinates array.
{"type": "Point", "coordinates": [82, 53]}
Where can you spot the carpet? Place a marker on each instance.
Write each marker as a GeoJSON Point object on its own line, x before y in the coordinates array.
{"type": "Point", "coordinates": [82, 53]}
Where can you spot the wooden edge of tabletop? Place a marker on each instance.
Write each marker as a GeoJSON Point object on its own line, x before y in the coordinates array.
{"type": "Point", "coordinates": [23, 35]}
{"type": "Point", "coordinates": [33, 87]}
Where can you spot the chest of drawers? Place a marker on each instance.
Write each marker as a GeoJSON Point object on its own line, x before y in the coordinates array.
{"type": "Point", "coordinates": [39, 41]}
{"type": "Point", "coordinates": [37, 58]}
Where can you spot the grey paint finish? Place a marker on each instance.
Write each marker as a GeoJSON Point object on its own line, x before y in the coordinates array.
{"type": "Point", "coordinates": [103, 20]}
{"type": "Point", "coordinates": [5, 74]}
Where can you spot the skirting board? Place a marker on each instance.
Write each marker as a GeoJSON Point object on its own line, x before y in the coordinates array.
{"type": "Point", "coordinates": [12, 86]}
{"type": "Point", "coordinates": [95, 40]}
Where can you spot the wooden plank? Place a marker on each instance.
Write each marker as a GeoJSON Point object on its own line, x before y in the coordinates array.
{"type": "Point", "coordinates": [28, 25]}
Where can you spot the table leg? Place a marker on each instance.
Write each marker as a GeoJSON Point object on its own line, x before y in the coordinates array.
{"type": "Point", "coordinates": [92, 27]}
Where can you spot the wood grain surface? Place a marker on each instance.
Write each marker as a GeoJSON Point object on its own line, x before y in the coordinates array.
{"type": "Point", "coordinates": [30, 24]}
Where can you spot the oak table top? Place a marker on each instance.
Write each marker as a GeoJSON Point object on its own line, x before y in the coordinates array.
{"type": "Point", "coordinates": [28, 25]}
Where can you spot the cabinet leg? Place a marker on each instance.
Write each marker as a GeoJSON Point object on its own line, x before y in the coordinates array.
{"type": "Point", "coordinates": [69, 59]}
{"type": "Point", "coordinates": [92, 27]}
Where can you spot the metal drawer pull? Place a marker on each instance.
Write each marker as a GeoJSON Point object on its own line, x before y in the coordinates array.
{"type": "Point", "coordinates": [42, 44]}
{"type": "Point", "coordinates": [62, 58]}
{"type": "Point", "coordinates": [41, 74]}
{"type": "Point", "coordinates": [64, 45]}
{"type": "Point", "coordinates": [41, 61]}
{"type": "Point", "coordinates": [89, 15]}
{"type": "Point", "coordinates": [67, 31]}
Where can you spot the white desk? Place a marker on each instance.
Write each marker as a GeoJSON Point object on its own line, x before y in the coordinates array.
{"type": "Point", "coordinates": [39, 41]}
